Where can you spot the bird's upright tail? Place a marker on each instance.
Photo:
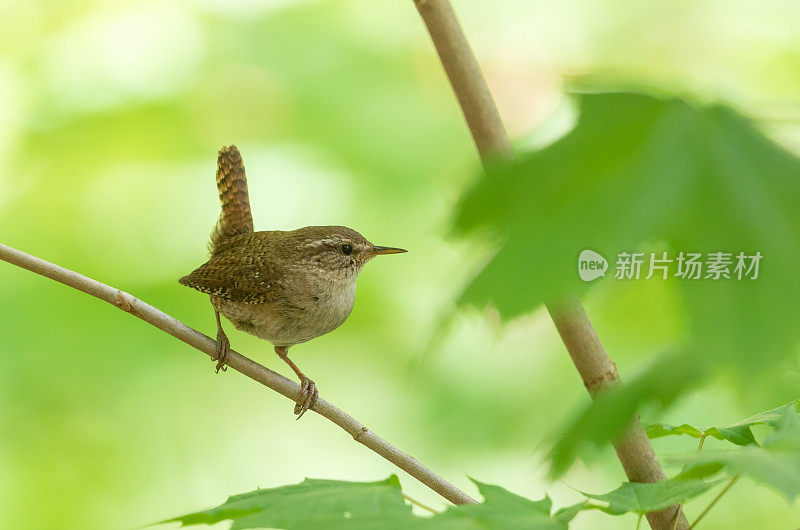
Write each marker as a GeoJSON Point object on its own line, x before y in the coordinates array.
{"type": "Point", "coordinates": [235, 217]}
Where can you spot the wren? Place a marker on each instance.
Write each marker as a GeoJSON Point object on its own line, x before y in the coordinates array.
{"type": "Point", "coordinates": [286, 287]}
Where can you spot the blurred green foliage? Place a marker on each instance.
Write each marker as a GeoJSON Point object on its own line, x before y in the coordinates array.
{"type": "Point", "coordinates": [639, 169]}
{"type": "Point", "coordinates": [112, 112]}
{"type": "Point", "coordinates": [635, 170]}
{"type": "Point", "coordinates": [611, 412]}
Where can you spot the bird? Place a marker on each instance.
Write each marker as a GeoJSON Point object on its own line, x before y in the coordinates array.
{"type": "Point", "coordinates": [286, 287]}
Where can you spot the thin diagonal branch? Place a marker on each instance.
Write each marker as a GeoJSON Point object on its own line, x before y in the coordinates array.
{"type": "Point", "coordinates": [715, 500]}
{"type": "Point", "coordinates": [584, 347]}
{"type": "Point", "coordinates": [238, 362]}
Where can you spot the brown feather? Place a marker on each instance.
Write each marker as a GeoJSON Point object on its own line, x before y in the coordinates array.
{"type": "Point", "coordinates": [235, 217]}
{"type": "Point", "coordinates": [259, 267]}
{"type": "Point", "coordinates": [239, 271]}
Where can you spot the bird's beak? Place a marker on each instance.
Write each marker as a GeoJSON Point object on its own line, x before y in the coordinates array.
{"type": "Point", "coordinates": [377, 251]}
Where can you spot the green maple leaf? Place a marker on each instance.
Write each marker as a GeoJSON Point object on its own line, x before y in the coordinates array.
{"type": "Point", "coordinates": [638, 169]}
{"type": "Point", "coordinates": [635, 171]}
{"type": "Point", "coordinates": [775, 463]}
{"type": "Point", "coordinates": [313, 503]}
{"type": "Point", "coordinates": [500, 510]}
{"type": "Point", "coordinates": [335, 504]}
{"type": "Point", "coordinates": [739, 433]}
{"type": "Point", "coordinates": [659, 430]}
{"type": "Point", "coordinates": [641, 498]}
{"type": "Point", "coordinates": [611, 411]}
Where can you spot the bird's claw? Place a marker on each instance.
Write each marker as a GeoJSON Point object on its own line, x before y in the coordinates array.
{"type": "Point", "coordinates": [223, 347]}
{"type": "Point", "coordinates": [308, 397]}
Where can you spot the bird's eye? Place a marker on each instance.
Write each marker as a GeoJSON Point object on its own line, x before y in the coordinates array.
{"type": "Point", "coordinates": [347, 249]}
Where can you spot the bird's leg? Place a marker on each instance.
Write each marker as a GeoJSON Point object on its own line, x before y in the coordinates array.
{"type": "Point", "coordinates": [223, 345]}
{"type": "Point", "coordinates": [308, 390]}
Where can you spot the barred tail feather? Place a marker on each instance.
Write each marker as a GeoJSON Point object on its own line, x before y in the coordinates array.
{"type": "Point", "coordinates": [235, 217]}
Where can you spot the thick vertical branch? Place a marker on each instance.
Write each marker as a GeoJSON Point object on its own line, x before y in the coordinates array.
{"type": "Point", "coordinates": [634, 449]}
{"type": "Point", "coordinates": [590, 358]}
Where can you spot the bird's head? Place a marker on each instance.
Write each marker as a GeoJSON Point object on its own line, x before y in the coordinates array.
{"type": "Point", "coordinates": [338, 249]}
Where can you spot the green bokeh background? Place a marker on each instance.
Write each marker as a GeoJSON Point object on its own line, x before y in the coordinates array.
{"type": "Point", "coordinates": [110, 117]}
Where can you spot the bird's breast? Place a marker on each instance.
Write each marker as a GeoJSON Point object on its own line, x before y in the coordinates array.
{"type": "Point", "coordinates": [333, 306]}
{"type": "Point", "coordinates": [296, 318]}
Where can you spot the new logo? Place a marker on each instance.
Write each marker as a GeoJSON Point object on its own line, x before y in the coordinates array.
{"type": "Point", "coordinates": [591, 265]}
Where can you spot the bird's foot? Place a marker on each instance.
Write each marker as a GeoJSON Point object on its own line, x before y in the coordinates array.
{"type": "Point", "coordinates": [308, 397]}
{"type": "Point", "coordinates": [223, 347]}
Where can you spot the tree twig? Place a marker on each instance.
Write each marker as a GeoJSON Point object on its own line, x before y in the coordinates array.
{"type": "Point", "coordinates": [715, 500]}
{"type": "Point", "coordinates": [702, 440]}
{"type": "Point", "coordinates": [412, 500]}
{"type": "Point", "coordinates": [633, 448]}
{"type": "Point", "coordinates": [238, 362]}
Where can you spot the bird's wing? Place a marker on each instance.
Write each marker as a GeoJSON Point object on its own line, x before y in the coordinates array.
{"type": "Point", "coordinates": [235, 217]}
{"type": "Point", "coordinates": [237, 276]}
